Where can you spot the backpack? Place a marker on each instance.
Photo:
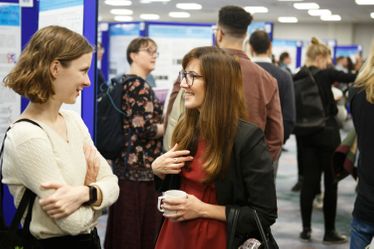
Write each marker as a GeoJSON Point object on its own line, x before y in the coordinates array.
{"type": "Point", "coordinates": [310, 112]}
{"type": "Point", "coordinates": [109, 128]}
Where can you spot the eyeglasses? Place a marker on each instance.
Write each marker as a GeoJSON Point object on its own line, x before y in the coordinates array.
{"type": "Point", "coordinates": [189, 76]}
{"type": "Point", "coordinates": [150, 51]}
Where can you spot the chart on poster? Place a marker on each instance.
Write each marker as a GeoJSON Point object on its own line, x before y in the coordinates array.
{"type": "Point", "coordinates": [10, 47]}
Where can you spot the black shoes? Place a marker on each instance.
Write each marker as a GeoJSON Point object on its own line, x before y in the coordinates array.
{"type": "Point", "coordinates": [306, 234]}
{"type": "Point", "coordinates": [297, 186]}
{"type": "Point", "coordinates": [332, 237]}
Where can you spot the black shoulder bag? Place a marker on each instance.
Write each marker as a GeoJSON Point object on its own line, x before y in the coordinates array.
{"type": "Point", "coordinates": [267, 240]}
{"type": "Point", "coordinates": [13, 237]}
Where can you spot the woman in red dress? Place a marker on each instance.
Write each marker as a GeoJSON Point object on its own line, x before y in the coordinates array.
{"type": "Point", "coordinates": [218, 159]}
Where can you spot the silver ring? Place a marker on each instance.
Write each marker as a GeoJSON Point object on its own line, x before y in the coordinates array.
{"type": "Point", "coordinates": [175, 160]}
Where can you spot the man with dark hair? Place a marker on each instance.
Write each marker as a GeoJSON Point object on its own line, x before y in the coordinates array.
{"type": "Point", "coordinates": [261, 89]}
{"type": "Point", "coordinates": [284, 61]}
{"type": "Point", "coordinates": [261, 49]}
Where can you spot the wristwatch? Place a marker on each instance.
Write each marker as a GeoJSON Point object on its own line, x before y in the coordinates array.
{"type": "Point", "coordinates": [93, 196]}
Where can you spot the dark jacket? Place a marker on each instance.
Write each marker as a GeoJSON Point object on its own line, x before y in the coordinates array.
{"type": "Point", "coordinates": [249, 182]}
{"type": "Point", "coordinates": [286, 95]}
{"type": "Point", "coordinates": [363, 120]}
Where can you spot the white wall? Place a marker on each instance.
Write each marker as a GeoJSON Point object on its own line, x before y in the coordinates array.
{"type": "Point", "coordinates": [343, 33]}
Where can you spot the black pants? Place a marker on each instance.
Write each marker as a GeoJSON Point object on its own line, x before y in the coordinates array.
{"type": "Point", "coordinates": [316, 154]}
{"type": "Point", "coordinates": [83, 241]}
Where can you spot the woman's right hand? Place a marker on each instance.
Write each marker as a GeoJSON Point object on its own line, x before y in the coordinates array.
{"type": "Point", "coordinates": [93, 164]}
{"type": "Point", "coordinates": [171, 162]}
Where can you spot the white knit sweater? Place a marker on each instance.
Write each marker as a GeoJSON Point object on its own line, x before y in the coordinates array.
{"type": "Point", "coordinates": [33, 156]}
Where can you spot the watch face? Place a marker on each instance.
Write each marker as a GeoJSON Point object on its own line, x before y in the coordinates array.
{"type": "Point", "coordinates": [93, 194]}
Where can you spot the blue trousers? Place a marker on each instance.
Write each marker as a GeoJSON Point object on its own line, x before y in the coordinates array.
{"type": "Point", "coordinates": [361, 234]}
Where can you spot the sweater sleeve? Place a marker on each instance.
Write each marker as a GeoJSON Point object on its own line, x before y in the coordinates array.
{"type": "Point", "coordinates": [106, 181]}
{"type": "Point", "coordinates": [36, 164]}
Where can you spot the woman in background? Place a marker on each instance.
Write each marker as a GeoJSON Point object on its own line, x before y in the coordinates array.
{"type": "Point", "coordinates": [230, 167]}
{"type": "Point", "coordinates": [57, 161]}
{"type": "Point", "coordinates": [134, 220]}
{"type": "Point", "coordinates": [315, 151]}
{"type": "Point", "coordinates": [362, 109]}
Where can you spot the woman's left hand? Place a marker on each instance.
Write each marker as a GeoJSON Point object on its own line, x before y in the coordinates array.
{"type": "Point", "coordinates": [64, 201]}
{"type": "Point", "coordinates": [185, 209]}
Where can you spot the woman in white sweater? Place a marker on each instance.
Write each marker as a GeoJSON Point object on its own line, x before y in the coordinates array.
{"type": "Point", "coordinates": [57, 161]}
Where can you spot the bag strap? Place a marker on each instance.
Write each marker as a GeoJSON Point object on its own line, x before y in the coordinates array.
{"type": "Point", "coordinates": [27, 199]}
{"type": "Point", "coordinates": [265, 241]}
{"type": "Point", "coordinates": [232, 223]}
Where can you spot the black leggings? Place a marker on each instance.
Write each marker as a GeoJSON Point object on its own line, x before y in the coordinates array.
{"type": "Point", "coordinates": [83, 241]}
{"type": "Point", "coordinates": [316, 159]}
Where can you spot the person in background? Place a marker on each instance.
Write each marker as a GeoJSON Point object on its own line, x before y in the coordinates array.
{"type": "Point", "coordinates": [261, 49]}
{"type": "Point", "coordinates": [213, 134]}
{"type": "Point", "coordinates": [362, 109]}
{"type": "Point", "coordinates": [134, 220]}
{"type": "Point", "coordinates": [341, 64]}
{"type": "Point", "coordinates": [101, 82]}
{"type": "Point", "coordinates": [284, 61]}
{"type": "Point", "coordinates": [316, 150]}
{"type": "Point", "coordinates": [58, 160]}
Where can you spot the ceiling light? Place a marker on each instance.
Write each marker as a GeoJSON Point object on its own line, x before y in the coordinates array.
{"type": "Point", "coordinates": [121, 12]}
{"type": "Point", "coordinates": [331, 18]}
{"type": "Point", "coordinates": [189, 6]}
{"type": "Point", "coordinates": [290, 0]}
{"type": "Point", "coordinates": [151, 1]}
{"type": "Point", "coordinates": [365, 2]}
{"type": "Point", "coordinates": [319, 12]}
{"type": "Point", "coordinates": [372, 15]}
{"type": "Point", "coordinates": [123, 18]}
{"type": "Point", "coordinates": [256, 9]}
{"type": "Point", "coordinates": [179, 14]}
{"type": "Point", "coordinates": [118, 2]}
{"type": "Point", "coordinates": [287, 19]}
{"type": "Point", "coordinates": [305, 6]}
{"type": "Point", "coordinates": [149, 16]}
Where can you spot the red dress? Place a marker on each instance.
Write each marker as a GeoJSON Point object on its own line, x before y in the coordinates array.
{"type": "Point", "coordinates": [197, 233]}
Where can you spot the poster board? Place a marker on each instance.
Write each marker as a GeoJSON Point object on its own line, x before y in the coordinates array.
{"type": "Point", "coordinates": [290, 46]}
{"type": "Point", "coordinates": [10, 49]}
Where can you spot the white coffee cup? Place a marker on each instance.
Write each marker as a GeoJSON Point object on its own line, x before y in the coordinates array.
{"type": "Point", "coordinates": [170, 194]}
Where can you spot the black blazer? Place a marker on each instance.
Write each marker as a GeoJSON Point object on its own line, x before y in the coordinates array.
{"type": "Point", "coordinates": [249, 181]}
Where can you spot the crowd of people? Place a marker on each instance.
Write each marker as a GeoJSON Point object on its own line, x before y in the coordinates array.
{"type": "Point", "coordinates": [218, 144]}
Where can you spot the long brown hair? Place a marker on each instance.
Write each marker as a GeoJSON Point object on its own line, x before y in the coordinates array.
{"type": "Point", "coordinates": [365, 77]}
{"type": "Point", "coordinates": [31, 77]}
{"type": "Point", "coordinates": [219, 115]}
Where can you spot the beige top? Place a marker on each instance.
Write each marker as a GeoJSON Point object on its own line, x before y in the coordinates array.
{"type": "Point", "coordinates": [33, 156]}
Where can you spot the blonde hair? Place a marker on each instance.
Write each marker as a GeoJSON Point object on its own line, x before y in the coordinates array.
{"type": "Point", "coordinates": [365, 77]}
{"type": "Point", "coordinates": [315, 49]}
{"type": "Point", "coordinates": [218, 118]}
{"type": "Point", "coordinates": [31, 76]}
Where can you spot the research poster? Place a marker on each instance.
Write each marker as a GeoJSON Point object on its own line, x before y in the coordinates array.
{"type": "Point", "coordinates": [120, 35]}
{"type": "Point", "coordinates": [290, 46]}
{"type": "Point", "coordinates": [66, 13]}
{"type": "Point", "coordinates": [173, 42]}
{"type": "Point", "coordinates": [10, 48]}
{"type": "Point", "coordinates": [351, 51]}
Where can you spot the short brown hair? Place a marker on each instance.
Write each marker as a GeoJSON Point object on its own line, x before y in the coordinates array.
{"type": "Point", "coordinates": [31, 76]}
{"type": "Point", "coordinates": [137, 44]}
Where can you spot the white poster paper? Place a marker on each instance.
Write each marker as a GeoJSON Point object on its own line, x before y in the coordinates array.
{"type": "Point", "coordinates": [280, 46]}
{"type": "Point", "coordinates": [66, 13]}
{"type": "Point", "coordinates": [174, 41]}
{"type": "Point", "coordinates": [10, 48]}
{"type": "Point", "coordinates": [120, 37]}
